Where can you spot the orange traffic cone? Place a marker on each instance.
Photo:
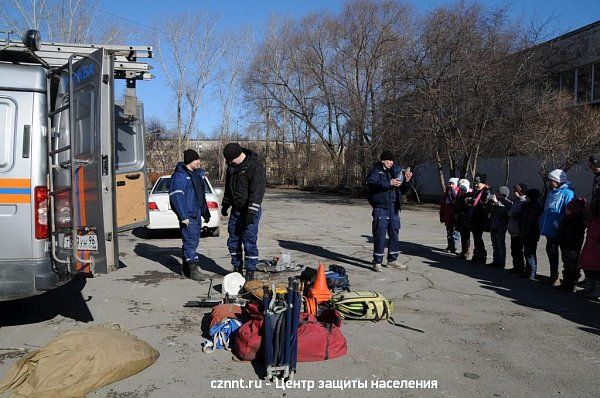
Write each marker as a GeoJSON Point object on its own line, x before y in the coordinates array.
{"type": "Point", "coordinates": [319, 289]}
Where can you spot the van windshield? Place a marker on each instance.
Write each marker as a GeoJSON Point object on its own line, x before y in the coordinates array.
{"type": "Point", "coordinates": [162, 186]}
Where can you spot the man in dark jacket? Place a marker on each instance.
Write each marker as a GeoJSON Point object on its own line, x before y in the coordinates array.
{"type": "Point", "coordinates": [387, 183]}
{"type": "Point", "coordinates": [186, 194]}
{"type": "Point", "coordinates": [245, 185]}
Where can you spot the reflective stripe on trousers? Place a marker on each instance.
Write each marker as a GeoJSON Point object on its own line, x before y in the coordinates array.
{"type": "Point", "coordinates": [242, 236]}
{"type": "Point", "coordinates": [385, 222]}
{"type": "Point", "coordinates": [190, 235]}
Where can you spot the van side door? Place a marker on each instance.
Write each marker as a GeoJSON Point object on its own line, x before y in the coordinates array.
{"type": "Point", "coordinates": [130, 165]}
{"type": "Point", "coordinates": [82, 176]}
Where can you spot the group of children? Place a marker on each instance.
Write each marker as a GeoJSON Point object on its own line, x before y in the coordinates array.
{"type": "Point", "coordinates": [527, 214]}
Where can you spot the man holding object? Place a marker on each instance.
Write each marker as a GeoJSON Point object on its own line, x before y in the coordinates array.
{"type": "Point", "coordinates": [387, 183]}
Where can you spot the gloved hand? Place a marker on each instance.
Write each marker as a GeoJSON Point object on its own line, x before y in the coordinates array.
{"type": "Point", "coordinates": [249, 219]}
{"type": "Point", "coordinates": [224, 211]}
{"type": "Point", "coordinates": [206, 215]}
{"type": "Point", "coordinates": [185, 222]}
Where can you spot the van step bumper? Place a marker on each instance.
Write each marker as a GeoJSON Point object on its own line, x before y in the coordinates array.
{"type": "Point", "coordinates": [25, 278]}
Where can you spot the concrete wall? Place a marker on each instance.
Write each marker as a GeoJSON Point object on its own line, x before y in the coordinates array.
{"type": "Point", "coordinates": [522, 169]}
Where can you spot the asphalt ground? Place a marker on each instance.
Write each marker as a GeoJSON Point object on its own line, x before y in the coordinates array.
{"type": "Point", "coordinates": [472, 330]}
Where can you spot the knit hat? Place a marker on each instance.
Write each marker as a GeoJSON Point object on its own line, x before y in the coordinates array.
{"type": "Point", "coordinates": [386, 155]}
{"type": "Point", "coordinates": [533, 194]}
{"type": "Point", "coordinates": [453, 181]}
{"type": "Point", "coordinates": [480, 178]}
{"type": "Point", "coordinates": [189, 155]}
{"type": "Point", "coordinates": [558, 176]}
{"type": "Point", "coordinates": [464, 181]}
{"type": "Point", "coordinates": [232, 151]}
{"type": "Point", "coordinates": [503, 190]}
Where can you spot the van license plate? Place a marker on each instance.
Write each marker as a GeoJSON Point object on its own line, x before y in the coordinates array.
{"type": "Point", "coordinates": [84, 242]}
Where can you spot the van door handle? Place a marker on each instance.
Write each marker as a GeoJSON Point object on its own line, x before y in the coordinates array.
{"type": "Point", "coordinates": [132, 176]}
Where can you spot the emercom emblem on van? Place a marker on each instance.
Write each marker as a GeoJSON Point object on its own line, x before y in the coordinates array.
{"type": "Point", "coordinates": [83, 72]}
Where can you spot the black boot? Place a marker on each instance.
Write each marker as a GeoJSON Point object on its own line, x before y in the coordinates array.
{"type": "Point", "coordinates": [249, 276]}
{"type": "Point", "coordinates": [185, 269]}
{"type": "Point", "coordinates": [239, 269]}
{"type": "Point", "coordinates": [195, 272]}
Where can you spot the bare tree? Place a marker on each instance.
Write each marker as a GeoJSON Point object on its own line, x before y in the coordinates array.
{"type": "Point", "coordinates": [189, 51]}
{"type": "Point", "coordinates": [467, 73]}
{"type": "Point", "coordinates": [236, 47]}
{"type": "Point", "coordinates": [161, 154]}
{"type": "Point", "coordinates": [69, 21]}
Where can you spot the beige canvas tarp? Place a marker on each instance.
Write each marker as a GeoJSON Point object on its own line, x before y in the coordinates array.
{"type": "Point", "coordinates": [77, 362]}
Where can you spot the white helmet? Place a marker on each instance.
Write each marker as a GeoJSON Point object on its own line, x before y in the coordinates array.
{"type": "Point", "coordinates": [233, 283]}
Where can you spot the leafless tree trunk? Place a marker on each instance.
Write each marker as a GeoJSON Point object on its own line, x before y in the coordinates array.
{"type": "Point", "coordinates": [189, 66]}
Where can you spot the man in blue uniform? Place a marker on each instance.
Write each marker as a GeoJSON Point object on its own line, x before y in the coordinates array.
{"type": "Point", "coordinates": [387, 183]}
{"type": "Point", "coordinates": [186, 194]}
{"type": "Point", "coordinates": [245, 185]}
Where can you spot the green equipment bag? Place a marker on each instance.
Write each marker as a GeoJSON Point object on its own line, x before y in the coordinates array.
{"type": "Point", "coordinates": [363, 305]}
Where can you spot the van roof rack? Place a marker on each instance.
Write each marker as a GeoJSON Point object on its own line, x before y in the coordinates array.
{"type": "Point", "coordinates": [56, 55]}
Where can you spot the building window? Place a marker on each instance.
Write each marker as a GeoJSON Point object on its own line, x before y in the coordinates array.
{"type": "Point", "coordinates": [567, 81]}
{"type": "Point", "coordinates": [584, 84]}
{"type": "Point", "coordinates": [597, 81]}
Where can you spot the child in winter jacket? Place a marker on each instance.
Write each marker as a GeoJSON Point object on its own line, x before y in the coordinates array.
{"type": "Point", "coordinates": [530, 231]}
{"type": "Point", "coordinates": [477, 217]}
{"type": "Point", "coordinates": [514, 229]}
{"type": "Point", "coordinates": [590, 255]}
{"type": "Point", "coordinates": [554, 210]}
{"type": "Point", "coordinates": [447, 214]}
{"type": "Point", "coordinates": [460, 216]}
{"type": "Point", "coordinates": [571, 233]}
{"type": "Point", "coordinates": [499, 207]}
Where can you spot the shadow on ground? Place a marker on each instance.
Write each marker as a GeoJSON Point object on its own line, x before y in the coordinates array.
{"type": "Point", "coordinates": [170, 258]}
{"type": "Point", "coordinates": [570, 306]}
{"type": "Point", "coordinates": [66, 300]}
{"type": "Point", "coordinates": [320, 251]}
{"type": "Point", "coordinates": [145, 233]}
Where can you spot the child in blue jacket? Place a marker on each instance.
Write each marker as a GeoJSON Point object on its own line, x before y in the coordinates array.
{"type": "Point", "coordinates": [554, 211]}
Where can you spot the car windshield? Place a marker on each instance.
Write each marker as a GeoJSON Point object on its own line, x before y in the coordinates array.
{"type": "Point", "coordinates": [162, 186]}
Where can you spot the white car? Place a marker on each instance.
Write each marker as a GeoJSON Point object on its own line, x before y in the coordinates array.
{"type": "Point", "coordinates": [162, 217]}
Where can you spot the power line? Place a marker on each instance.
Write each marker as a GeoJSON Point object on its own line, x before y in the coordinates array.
{"type": "Point", "coordinates": [119, 16]}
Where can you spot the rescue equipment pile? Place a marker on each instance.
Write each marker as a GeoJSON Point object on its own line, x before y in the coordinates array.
{"type": "Point", "coordinates": [281, 325]}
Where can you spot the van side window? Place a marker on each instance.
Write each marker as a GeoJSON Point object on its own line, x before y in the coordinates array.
{"type": "Point", "coordinates": [8, 113]}
{"type": "Point", "coordinates": [129, 150]}
{"type": "Point", "coordinates": [84, 118]}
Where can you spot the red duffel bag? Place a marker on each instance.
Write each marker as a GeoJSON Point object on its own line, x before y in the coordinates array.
{"type": "Point", "coordinates": [248, 339]}
{"type": "Point", "coordinates": [320, 339]}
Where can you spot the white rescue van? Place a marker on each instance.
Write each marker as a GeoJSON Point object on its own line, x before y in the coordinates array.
{"type": "Point", "coordinates": [72, 167]}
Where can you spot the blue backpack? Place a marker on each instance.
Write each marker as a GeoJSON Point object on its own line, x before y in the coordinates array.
{"type": "Point", "coordinates": [337, 279]}
{"type": "Point", "coordinates": [221, 335]}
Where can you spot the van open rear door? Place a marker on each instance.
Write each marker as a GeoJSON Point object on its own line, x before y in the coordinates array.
{"type": "Point", "coordinates": [82, 181]}
{"type": "Point", "coordinates": [132, 197]}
